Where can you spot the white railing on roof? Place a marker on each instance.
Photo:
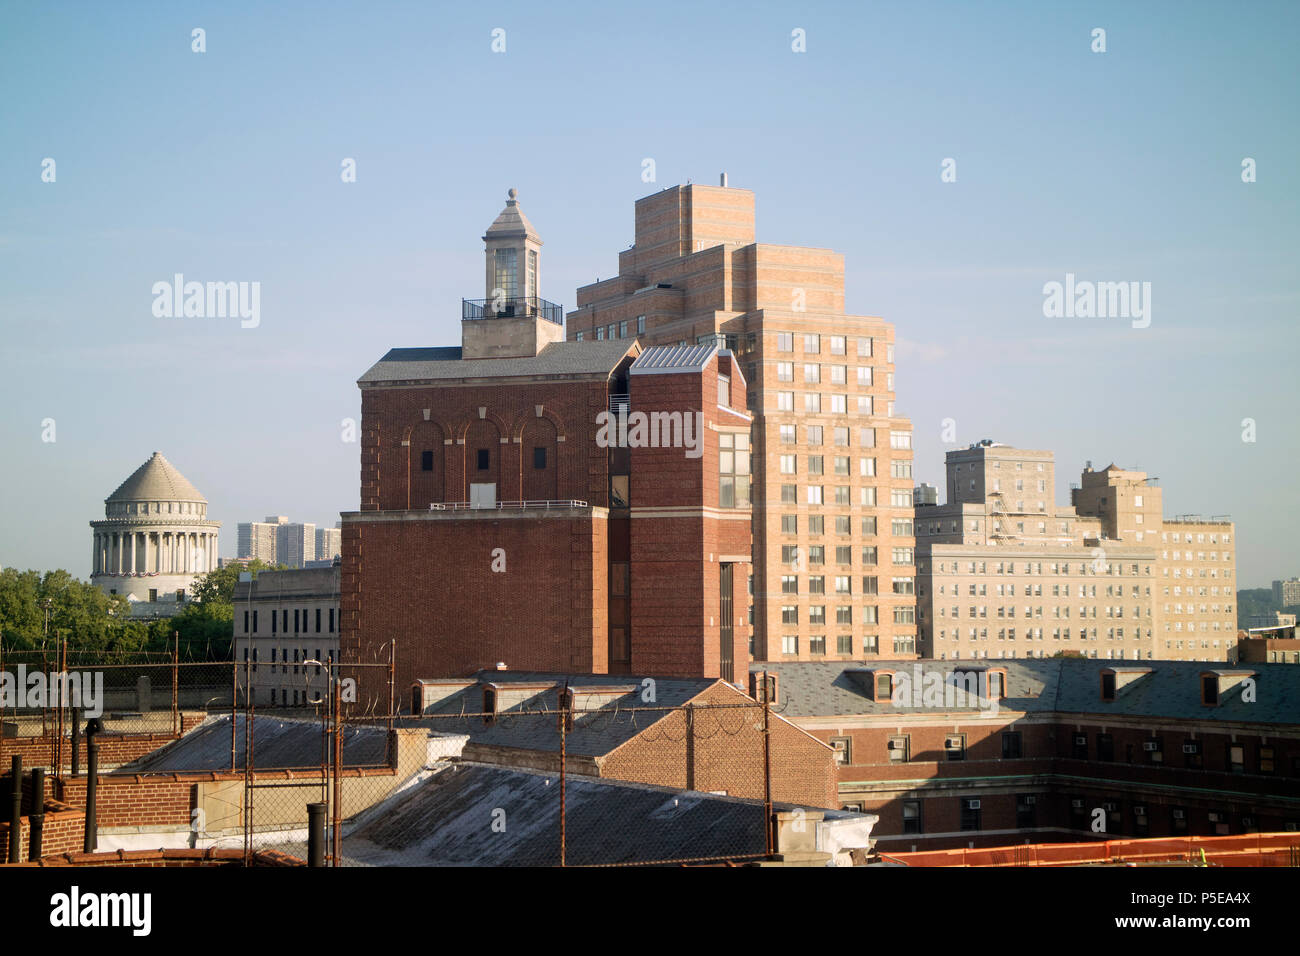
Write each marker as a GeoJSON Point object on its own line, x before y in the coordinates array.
{"type": "Point", "coordinates": [555, 504]}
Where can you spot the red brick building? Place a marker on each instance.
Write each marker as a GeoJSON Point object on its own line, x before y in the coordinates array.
{"type": "Point", "coordinates": [1052, 750]}
{"type": "Point", "coordinates": [566, 506]}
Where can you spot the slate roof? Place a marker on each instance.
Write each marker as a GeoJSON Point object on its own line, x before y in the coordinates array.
{"type": "Point", "coordinates": [591, 359]}
{"type": "Point", "coordinates": [156, 480]}
{"type": "Point", "coordinates": [278, 744]}
{"type": "Point", "coordinates": [594, 734]}
{"type": "Point", "coordinates": [1061, 685]}
{"type": "Point", "coordinates": [447, 821]}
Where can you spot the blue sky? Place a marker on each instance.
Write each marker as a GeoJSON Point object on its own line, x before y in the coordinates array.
{"type": "Point", "coordinates": [224, 165]}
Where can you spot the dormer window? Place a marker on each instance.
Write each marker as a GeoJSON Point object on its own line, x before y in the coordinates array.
{"type": "Point", "coordinates": [1108, 686]}
{"type": "Point", "coordinates": [884, 687]}
{"type": "Point", "coordinates": [1210, 690]}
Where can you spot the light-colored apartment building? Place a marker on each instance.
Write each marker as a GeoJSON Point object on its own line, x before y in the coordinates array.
{"type": "Point", "coordinates": [1195, 606]}
{"type": "Point", "coordinates": [329, 543]}
{"type": "Point", "coordinates": [257, 539]}
{"type": "Point", "coordinates": [283, 621]}
{"type": "Point", "coordinates": [833, 547]}
{"type": "Point", "coordinates": [1004, 572]}
{"type": "Point", "coordinates": [1287, 593]}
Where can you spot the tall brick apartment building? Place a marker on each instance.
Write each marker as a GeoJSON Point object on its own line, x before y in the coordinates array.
{"type": "Point", "coordinates": [578, 507]}
{"type": "Point", "coordinates": [833, 540]}
{"type": "Point", "coordinates": [1003, 572]}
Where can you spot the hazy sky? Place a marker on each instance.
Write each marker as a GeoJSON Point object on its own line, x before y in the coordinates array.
{"type": "Point", "coordinates": [225, 166]}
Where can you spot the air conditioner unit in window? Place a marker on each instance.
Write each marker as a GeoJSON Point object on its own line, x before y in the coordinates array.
{"type": "Point", "coordinates": [1081, 740]}
{"type": "Point", "coordinates": [1029, 800]}
{"type": "Point", "coordinates": [1189, 748]}
{"type": "Point", "coordinates": [1216, 817]}
{"type": "Point", "coordinates": [953, 743]}
{"type": "Point", "coordinates": [1247, 821]}
{"type": "Point", "coordinates": [1178, 815]}
{"type": "Point", "coordinates": [1139, 811]}
{"type": "Point", "coordinates": [1076, 804]}
{"type": "Point", "coordinates": [1110, 807]}
{"type": "Point", "coordinates": [972, 804]}
{"type": "Point", "coordinates": [1151, 745]}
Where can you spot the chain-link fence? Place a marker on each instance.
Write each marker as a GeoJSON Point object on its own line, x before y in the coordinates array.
{"type": "Point", "coordinates": [521, 774]}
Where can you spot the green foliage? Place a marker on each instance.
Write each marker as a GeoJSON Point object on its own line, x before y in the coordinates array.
{"type": "Point", "coordinates": [219, 585]}
{"type": "Point", "coordinates": [91, 620]}
{"type": "Point", "coordinates": [97, 626]}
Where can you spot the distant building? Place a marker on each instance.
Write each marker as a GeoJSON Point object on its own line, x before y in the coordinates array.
{"type": "Point", "coordinates": [277, 540]}
{"type": "Point", "coordinates": [154, 541]}
{"type": "Point", "coordinates": [1286, 593]}
{"type": "Point", "coordinates": [256, 539]}
{"type": "Point", "coordinates": [295, 544]}
{"type": "Point", "coordinates": [1003, 572]}
{"type": "Point", "coordinates": [329, 543]}
{"type": "Point", "coordinates": [282, 620]}
{"type": "Point", "coordinates": [1272, 619]}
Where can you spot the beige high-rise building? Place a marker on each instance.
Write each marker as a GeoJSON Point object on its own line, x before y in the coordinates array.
{"type": "Point", "coordinates": [1195, 608]}
{"type": "Point", "coordinates": [1005, 572]}
{"type": "Point", "coordinates": [833, 546]}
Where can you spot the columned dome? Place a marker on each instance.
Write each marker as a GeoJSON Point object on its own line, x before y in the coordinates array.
{"type": "Point", "coordinates": [155, 538]}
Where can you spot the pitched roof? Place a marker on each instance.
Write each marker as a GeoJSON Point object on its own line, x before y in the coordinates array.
{"type": "Point", "coordinates": [661, 359]}
{"type": "Point", "coordinates": [582, 359]}
{"type": "Point", "coordinates": [156, 480]}
{"type": "Point", "coordinates": [278, 744]}
{"type": "Point", "coordinates": [446, 820]}
{"type": "Point", "coordinates": [1172, 689]}
{"type": "Point", "coordinates": [611, 723]}
{"type": "Point", "coordinates": [512, 221]}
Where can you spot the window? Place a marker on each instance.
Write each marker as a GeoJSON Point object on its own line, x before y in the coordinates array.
{"type": "Point", "coordinates": [724, 390]}
{"type": "Point", "coordinates": [785, 341]}
{"type": "Point", "coordinates": [733, 467]}
{"type": "Point", "coordinates": [900, 439]}
{"type": "Point", "coordinates": [789, 464]}
{"type": "Point", "coordinates": [1011, 745]}
{"type": "Point", "coordinates": [1192, 753]}
{"type": "Point", "coordinates": [812, 343]}
{"type": "Point", "coordinates": [539, 457]}
{"type": "Point", "coordinates": [1080, 751]}
{"type": "Point", "coordinates": [843, 747]}
{"type": "Point", "coordinates": [812, 374]}
{"type": "Point", "coordinates": [864, 346]}
{"type": "Point", "coordinates": [426, 461]}
{"type": "Point", "coordinates": [785, 401]}
{"type": "Point", "coordinates": [837, 345]}
{"type": "Point", "coordinates": [789, 494]}
{"type": "Point", "coordinates": [785, 371]}
{"type": "Point", "coordinates": [839, 405]}
{"type": "Point", "coordinates": [955, 746]}
{"type": "Point", "coordinates": [812, 402]}
{"type": "Point", "coordinates": [789, 584]}
{"type": "Point", "coordinates": [1105, 747]}
{"type": "Point", "coordinates": [844, 644]}
{"type": "Point", "coordinates": [970, 813]}
{"type": "Point", "coordinates": [814, 494]}
{"type": "Point", "coordinates": [817, 644]}
{"type": "Point", "coordinates": [912, 822]}
{"type": "Point", "coordinates": [484, 459]}
{"type": "Point", "coordinates": [790, 644]}
{"type": "Point", "coordinates": [1026, 805]}
{"type": "Point", "coordinates": [1236, 758]}
{"type": "Point", "coordinates": [839, 375]}
{"type": "Point", "coordinates": [640, 325]}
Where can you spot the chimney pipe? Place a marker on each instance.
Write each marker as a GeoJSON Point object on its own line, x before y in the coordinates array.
{"type": "Point", "coordinates": [723, 181]}
{"type": "Point", "coordinates": [16, 807]}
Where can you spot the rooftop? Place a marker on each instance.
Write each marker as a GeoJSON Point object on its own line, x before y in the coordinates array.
{"type": "Point", "coordinates": [156, 480]}
{"type": "Point", "coordinates": [577, 359]}
{"type": "Point", "coordinates": [1172, 689]}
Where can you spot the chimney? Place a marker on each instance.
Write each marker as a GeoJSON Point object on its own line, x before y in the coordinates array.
{"type": "Point", "coordinates": [723, 181]}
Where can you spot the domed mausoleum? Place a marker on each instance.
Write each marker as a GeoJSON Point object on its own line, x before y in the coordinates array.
{"type": "Point", "coordinates": [154, 540]}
